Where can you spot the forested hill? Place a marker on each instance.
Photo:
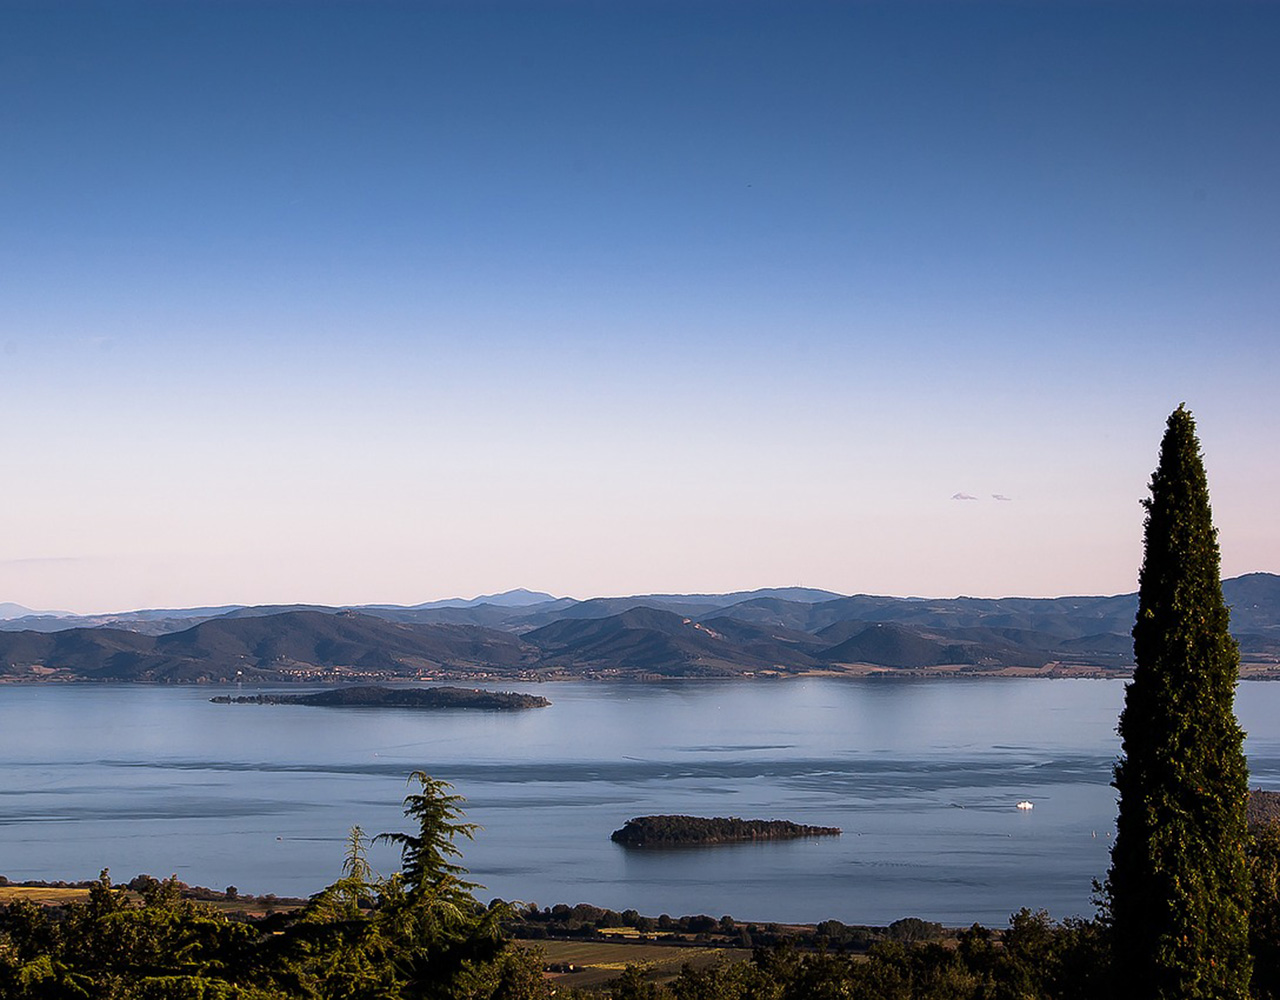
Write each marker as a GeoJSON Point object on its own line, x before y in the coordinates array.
{"type": "Point", "coordinates": [770, 632]}
{"type": "Point", "coordinates": [287, 646]}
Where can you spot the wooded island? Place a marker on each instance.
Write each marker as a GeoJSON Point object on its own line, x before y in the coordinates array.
{"type": "Point", "coordinates": [380, 697]}
{"type": "Point", "coordinates": [687, 831]}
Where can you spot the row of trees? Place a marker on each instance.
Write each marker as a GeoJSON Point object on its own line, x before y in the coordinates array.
{"type": "Point", "coordinates": [1034, 959]}
{"type": "Point", "coordinates": [594, 923]}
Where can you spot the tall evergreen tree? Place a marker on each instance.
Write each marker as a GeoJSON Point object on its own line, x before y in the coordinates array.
{"type": "Point", "coordinates": [1178, 889]}
{"type": "Point", "coordinates": [427, 868]}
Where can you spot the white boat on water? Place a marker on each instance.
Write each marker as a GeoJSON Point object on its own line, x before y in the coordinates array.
{"type": "Point", "coordinates": [1024, 804]}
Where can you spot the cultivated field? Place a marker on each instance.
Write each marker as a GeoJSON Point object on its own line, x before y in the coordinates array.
{"type": "Point", "coordinates": [597, 962]}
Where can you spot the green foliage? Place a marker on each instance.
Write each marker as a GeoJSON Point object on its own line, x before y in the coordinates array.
{"type": "Point", "coordinates": [355, 865]}
{"type": "Point", "coordinates": [359, 939]}
{"type": "Point", "coordinates": [426, 937]}
{"type": "Point", "coordinates": [173, 949]}
{"type": "Point", "coordinates": [353, 893]}
{"type": "Point", "coordinates": [914, 929]}
{"type": "Point", "coordinates": [1264, 916]}
{"type": "Point", "coordinates": [425, 855]}
{"type": "Point", "coordinates": [109, 947]}
{"type": "Point", "coordinates": [635, 984]}
{"type": "Point", "coordinates": [727, 981]}
{"type": "Point", "coordinates": [1177, 892]}
{"type": "Point", "coordinates": [1035, 959]}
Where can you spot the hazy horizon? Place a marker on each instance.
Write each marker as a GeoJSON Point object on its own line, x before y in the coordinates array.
{"type": "Point", "coordinates": [574, 597]}
{"type": "Point", "coordinates": [385, 303]}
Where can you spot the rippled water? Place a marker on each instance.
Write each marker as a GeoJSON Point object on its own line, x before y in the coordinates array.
{"type": "Point", "coordinates": [921, 775]}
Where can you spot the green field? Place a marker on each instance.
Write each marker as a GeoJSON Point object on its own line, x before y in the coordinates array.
{"type": "Point", "coordinates": [58, 896]}
{"type": "Point", "coordinates": [597, 962]}
{"type": "Point", "coordinates": [44, 895]}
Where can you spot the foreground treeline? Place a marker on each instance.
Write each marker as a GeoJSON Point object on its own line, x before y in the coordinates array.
{"type": "Point", "coordinates": [418, 934]}
{"type": "Point", "coordinates": [421, 934]}
{"type": "Point", "coordinates": [345, 943]}
{"type": "Point", "coordinates": [1034, 959]}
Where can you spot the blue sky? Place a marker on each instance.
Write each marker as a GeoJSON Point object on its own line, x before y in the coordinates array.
{"type": "Point", "coordinates": [394, 301]}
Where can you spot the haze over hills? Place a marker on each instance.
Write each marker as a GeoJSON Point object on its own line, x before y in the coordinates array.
{"type": "Point", "coordinates": [154, 621]}
{"type": "Point", "coordinates": [518, 598]}
{"type": "Point", "coordinates": [533, 635]}
{"type": "Point", "coordinates": [10, 610]}
{"type": "Point", "coordinates": [532, 608]}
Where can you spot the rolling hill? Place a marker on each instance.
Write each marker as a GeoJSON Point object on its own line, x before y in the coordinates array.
{"type": "Point", "coordinates": [666, 635]}
{"type": "Point", "coordinates": [271, 647]}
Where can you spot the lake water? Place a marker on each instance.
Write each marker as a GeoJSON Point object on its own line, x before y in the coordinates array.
{"type": "Point", "coordinates": [922, 776]}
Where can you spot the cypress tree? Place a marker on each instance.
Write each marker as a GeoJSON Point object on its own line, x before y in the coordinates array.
{"type": "Point", "coordinates": [1177, 893]}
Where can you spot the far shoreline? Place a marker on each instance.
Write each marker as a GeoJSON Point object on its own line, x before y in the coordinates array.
{"type": "Point", "coordinates": [329, 677]}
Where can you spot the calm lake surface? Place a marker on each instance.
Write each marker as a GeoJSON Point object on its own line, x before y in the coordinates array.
{"type": "Point", "coordinates": [922, 776]}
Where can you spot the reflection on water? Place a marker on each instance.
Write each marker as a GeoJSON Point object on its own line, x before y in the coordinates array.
{"type": "Point", "coordinates": [922, 777]}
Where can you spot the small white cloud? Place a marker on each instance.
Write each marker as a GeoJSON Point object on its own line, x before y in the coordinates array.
{"type": "Point", "coordinates": [963, 496]}
{"type": "Point", "coordinates": [1001, 496]}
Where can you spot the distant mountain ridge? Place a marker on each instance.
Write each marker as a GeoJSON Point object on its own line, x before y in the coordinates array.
{"type": "Point", "coordinates": [279, 647]}
{"type": "Point", "coordinates": [490, 609]}
{"type": "Point", "coordinates": [533, 635]}
{"type": "Point", "coordinates": [518, 598]}
{"type": "Point", "coordinates": [10, 610]}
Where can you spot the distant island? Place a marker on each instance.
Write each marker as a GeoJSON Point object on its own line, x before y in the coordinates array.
{"type": "Point", "coordinates": [380, 697]}
{"type": "Point", "coordinates": [689, 831]}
